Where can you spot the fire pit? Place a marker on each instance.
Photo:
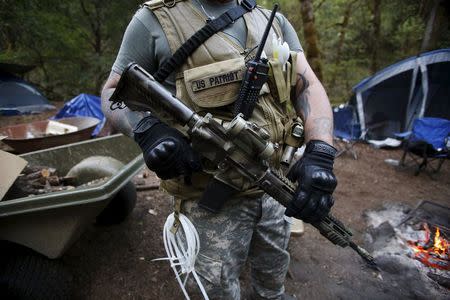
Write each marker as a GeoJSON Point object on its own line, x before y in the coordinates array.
{"type": "Point", "coordinates": [412, 246]}
{"type": "Point", "coordinates": [432, 249]}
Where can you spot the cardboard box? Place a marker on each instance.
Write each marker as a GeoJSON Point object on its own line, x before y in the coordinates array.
{"type": "Point", "coordinates": [11, 166]}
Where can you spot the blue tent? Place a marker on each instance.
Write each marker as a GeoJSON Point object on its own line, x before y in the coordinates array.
{"type": "Point", "coordinates": [83, 105]}
{"type": "Point", "coordinates": [389, 101]}
{"type": "Point", "coordinates": [20, 97]}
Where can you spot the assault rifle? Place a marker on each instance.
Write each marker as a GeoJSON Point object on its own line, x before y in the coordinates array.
{"type": "Point", "coordinates": [240, 146]}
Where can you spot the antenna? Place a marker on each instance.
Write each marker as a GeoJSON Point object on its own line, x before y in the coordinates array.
{"type": "Point", "coordinates": [266, 33]}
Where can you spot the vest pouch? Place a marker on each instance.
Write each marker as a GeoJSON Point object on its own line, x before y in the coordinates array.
{"type": "Point", "coordinates": [282, 80]}
{"type": "Point", "coordinates": [293, 79]}
{"type": "Point", "coordinates": [216, 84]}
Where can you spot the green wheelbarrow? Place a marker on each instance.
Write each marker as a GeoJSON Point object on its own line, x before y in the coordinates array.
{"type": "Point", "coordinates": [37, 228]}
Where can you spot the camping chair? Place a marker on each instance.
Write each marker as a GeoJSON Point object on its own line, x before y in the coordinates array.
{"type": "Point", "coordinates": [427, 145]}
{"type": "Point", "coordinates": [346, 130]}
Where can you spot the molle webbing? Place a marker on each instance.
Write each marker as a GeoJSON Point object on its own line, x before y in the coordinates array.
{"type": "Point", "coordinates": [218, 55]}
{"type": "Point", "coordinates": [212, 27]}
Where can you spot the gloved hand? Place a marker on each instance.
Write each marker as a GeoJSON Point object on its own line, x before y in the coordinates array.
{"type": "Point", "coordinates": [166, 151]}
{"type": "Point", "coordinates": [314, 173]}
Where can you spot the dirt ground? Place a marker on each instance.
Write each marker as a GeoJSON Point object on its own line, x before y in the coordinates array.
{"type": "Point", "coordinates": [116, 262]}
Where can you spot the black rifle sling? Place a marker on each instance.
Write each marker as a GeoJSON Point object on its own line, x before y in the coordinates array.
{"type": "Point", "coordinates": [212, 27]}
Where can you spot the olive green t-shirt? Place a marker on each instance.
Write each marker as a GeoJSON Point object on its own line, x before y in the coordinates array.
{"type": "Point", "coordinates": [144, 41]}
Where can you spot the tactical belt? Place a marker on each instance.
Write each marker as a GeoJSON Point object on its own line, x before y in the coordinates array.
{"type": "Point", "coordinates": [211, 27]}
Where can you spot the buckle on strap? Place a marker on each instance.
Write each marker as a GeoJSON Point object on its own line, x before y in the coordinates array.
{"type": "Point", "coordinates": [248, 4]}
{"type": "Point", "coordinates": [177, 210]}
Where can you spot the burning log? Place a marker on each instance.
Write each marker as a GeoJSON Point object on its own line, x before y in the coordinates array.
{"type": "Point", "coordinates": [433, 251]}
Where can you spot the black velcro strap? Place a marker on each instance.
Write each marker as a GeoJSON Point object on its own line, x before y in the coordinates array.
{"type": "Point", "coordinates": [321, 147]}
{"type": "Point", "coordinates": [213, 26]}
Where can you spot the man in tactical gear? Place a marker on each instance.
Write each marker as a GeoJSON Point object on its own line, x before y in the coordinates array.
{"type": "Point", "coordinates": [250, 225]}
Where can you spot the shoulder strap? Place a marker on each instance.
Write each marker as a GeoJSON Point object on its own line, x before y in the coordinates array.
{"type": "Point", "coordinates": [276, 22]}
{"type": "Point", "coordinates": [155, 4]}
{"type": "Point", "coordinates": [212, 27]}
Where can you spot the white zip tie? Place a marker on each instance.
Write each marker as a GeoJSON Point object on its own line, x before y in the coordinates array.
{"type": "Point", "coordinates": [182, 253]}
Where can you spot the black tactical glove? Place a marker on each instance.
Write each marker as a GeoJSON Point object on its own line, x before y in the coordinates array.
{"type": "Point", "coordinates": [314, 173]}
{"type": "Point", "coordinates": [166, 151]}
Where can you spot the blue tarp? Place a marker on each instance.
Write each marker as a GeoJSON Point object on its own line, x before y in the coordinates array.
{"type": "Point", "coordinates": [20, 97]}
{"type": "Point", "coordinates": [83, 105]}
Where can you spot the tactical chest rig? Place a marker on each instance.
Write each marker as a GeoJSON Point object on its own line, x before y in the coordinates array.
{"type": "Point", "coordinates": [210, 78]}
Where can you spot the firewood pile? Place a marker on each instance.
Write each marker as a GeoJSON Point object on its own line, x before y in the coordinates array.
{"type": "Point", "coordinates": [37, 180]}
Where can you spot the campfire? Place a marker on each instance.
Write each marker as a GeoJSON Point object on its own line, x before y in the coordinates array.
{"type": "Point", "coordinates": [412, 246]}
{"type": "Point", "coordinates": [433, 250]}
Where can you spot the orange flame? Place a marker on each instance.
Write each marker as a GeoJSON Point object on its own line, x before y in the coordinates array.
{"type": "Point", "coordinates": [437, 255]}
{"type": "Point", "coordinates": [440, 244]}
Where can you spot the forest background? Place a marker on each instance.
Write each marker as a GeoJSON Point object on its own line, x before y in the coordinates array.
{"type": "Point", "coordinates": [73, 44]}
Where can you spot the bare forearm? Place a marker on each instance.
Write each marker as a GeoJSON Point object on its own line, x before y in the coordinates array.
{"type": "Point", "coordinates": [124, 120]}
{"type": "Point", "coordinates": [312, 105]}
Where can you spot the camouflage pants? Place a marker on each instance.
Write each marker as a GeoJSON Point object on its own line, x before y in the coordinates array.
{"type": "Point", "coordinates": [246, 228]}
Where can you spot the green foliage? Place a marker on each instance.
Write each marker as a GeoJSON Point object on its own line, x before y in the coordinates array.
{"type": "Point", "coordinates": [74, 43]}
{"type": "Point", "coordinates": [402, 30]}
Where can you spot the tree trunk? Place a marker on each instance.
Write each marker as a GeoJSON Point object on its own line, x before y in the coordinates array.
{"type": "Point", "coordinates": [311, 39]}
{"type": "Point", "coordinates": [95, 16]}
{"type": "Point", "coordinates": [95, 23]}
{"type": "Point", "coordinates": [376, 24]}
{"type": "Point", "coordinates": [342, 33]}
{"type": "Point", "coordinates": [436, 17]}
